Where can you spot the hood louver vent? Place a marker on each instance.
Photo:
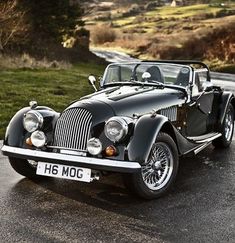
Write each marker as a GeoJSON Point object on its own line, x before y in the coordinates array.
{"type": "Point", "coordinates": [170, 113]}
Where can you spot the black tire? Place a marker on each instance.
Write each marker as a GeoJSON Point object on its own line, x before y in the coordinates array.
{"type": "Point", "coordinates": [165, 147]}
{"type": "Point", "coordinates": [227, 135]}
{"type": "Point", "coordinates": [24, 168]}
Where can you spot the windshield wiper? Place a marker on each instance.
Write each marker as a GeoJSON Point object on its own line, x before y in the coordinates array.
{"type": "Point", "coordinates": [136, 82]}
{"type": "Point", "coordinates": [151, 83]}
{"type": "Point", "coordinates": [117, 83]}
{"type": "Point", "coordinates": [156, 82]}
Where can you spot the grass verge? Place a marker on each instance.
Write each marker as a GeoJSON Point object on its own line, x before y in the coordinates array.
{"type": "Point", "coordinates": [50, 87]}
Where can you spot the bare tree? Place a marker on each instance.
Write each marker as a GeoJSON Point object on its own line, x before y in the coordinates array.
{"type": "Point", "coordinates": [11, 23]}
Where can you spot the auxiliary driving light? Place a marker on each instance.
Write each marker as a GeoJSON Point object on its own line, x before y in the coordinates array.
{"type": "Point", "coordinates": [29, 141]}
{"type": "Point", "coordinates": [94, 146]}
{"type": "Point", "coordinates": [38, 139]}
{"type": "Point", "coordinates": [110, 151]}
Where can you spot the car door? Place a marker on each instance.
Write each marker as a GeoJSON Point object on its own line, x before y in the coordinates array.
{"type": "Point", "coordinates": [200, 108]}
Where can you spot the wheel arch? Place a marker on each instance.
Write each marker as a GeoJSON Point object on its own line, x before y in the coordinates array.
{"type": "Point", "coordinates": [168, 128]}
{"type": "Point", "coordinates": [15, 131]}
{"type": "Point", "coordinates": [226, 99]}
{"type": "Point", "coordinates": [145, 133]}
{"type": "Point", "coordinates": [233, 104]}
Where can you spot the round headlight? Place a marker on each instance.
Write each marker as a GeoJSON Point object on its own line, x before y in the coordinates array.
{"type": "Point", "coordinates": [38, 139]}
{"type": "Point", "coordinates": [116, 129]}
{"type": "Point", "coordinates": [32, 121]}
{"type": "Point", "coordinates": [94, 146]}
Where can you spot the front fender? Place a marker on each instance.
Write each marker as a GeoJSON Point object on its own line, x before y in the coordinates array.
{"type": "Point", "coordinates": [15, 133]}
{"type": "Point", "coordinates": [144, 135]}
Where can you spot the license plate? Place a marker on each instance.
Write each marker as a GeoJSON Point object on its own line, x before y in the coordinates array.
{"type": "Point", "coordinates": [64, 171]}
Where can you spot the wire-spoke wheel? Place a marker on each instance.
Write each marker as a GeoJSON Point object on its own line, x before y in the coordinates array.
{"type": "Point", "coordinates": [158, 173]}
{"type": "Point", "coordinates": [228, 125]}
{"type": "Point", "coordinates": [158, 169]}
{"type": "Point", "coordinates": [227, 129]}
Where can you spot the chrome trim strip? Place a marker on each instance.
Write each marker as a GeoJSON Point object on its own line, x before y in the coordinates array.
{"type": "Point", "coordinates": [58, 147]}
{"type": "Point", "coordinates": [72, 152]}
{"type": "Point", "coordinates": [71, 158]}
{"type": "Point", "coordinates": [196, 151]}
{"type": "Point", "coordinates": [200, 70]}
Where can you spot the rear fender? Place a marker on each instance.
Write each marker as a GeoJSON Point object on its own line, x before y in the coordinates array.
{"type": "Point", "coordinates": [226, 99]}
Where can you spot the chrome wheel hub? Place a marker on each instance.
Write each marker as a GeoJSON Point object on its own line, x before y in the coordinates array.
{"type": "Point", "coordinates": [159, 167]}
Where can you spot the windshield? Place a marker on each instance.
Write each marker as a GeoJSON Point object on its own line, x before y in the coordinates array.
{"type": "Point", "coordinates": [169, 74]}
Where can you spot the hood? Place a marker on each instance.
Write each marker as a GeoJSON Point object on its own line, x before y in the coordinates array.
{"type": "Point", "coordinates": [127, 100]}
{"type": "Point", "coordinates": [100, 111]}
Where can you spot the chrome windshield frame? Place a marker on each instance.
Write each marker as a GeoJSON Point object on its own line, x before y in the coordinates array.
{"type": "Point", "coordinates": [102, 83]}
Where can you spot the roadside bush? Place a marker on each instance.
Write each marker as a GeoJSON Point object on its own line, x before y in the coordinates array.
{"type": "Point", "coordinates": [209, 45]}
{"type": "Point", "coordinates": [104, 17]}
{"type": "Point", "coordinates": [134, 10]}
{"type": "Point", "coordinates": [27, 61]}
{"type": "Point", "coordinates": [224, 12]}
{"type": "Point", "coordinates": [153, 5]}
{"type": "Point", "coordinates": [103, 34]}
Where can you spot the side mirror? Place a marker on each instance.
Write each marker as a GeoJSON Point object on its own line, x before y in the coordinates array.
{"type": "Point", "coordinates": [207, 86]}
{"type": "Point", "coordinates": [92, 81]}
{"type": "Point", "coordinates": [146, 75]}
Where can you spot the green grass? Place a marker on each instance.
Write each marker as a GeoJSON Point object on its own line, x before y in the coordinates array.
{"type": "Point", "coordinates": [182, 12]}
{"type": "Point", "coordinates": [168, 12]}
{"type": "Point", "coordinates": [49, 87]}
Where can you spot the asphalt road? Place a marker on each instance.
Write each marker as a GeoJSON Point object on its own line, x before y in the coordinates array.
{"type": "Point", "coordinates": [200, 208]}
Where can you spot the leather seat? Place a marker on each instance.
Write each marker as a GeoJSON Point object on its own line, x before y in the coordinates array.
{"type": "Point", "coordinates": [183, 77]}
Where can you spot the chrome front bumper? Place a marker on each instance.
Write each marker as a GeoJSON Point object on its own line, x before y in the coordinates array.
{"type": "Point", "coordinates": [75, 160]}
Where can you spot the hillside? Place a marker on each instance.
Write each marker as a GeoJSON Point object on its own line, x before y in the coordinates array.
{"type": "Point", "coordinates": [202, 31]}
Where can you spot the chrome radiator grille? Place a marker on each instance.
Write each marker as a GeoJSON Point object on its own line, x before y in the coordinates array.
{"type": "Point", "coordinates": [170, 113]}
{"type": "Point", "coordinates": [73, 129]}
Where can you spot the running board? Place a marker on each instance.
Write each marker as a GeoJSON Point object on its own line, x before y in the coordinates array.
{"type": "Point", "coordinates": [205, 140]}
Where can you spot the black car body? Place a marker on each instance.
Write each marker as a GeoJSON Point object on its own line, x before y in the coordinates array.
{"type": "Point", "coordinates": [144, 116]}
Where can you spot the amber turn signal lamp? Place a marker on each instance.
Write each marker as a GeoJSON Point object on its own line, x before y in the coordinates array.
{"type": "Point", "coordinates": [110, 151]}
{"type": "Point", "coordinates": [29, 141]}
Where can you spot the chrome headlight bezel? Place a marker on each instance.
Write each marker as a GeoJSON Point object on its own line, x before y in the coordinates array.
{"type": "Point", "coordinates": [38, 139]}
{"type": "Point", "coordinates": [32, 121]}
{"type": "Point", "coordinates": [121, 124]}
{"type": "Point", "coordinates": [94, 146]}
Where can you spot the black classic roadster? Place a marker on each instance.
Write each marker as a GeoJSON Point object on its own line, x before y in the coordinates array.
{"type": "Point", "coordinates": [144, 116]}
